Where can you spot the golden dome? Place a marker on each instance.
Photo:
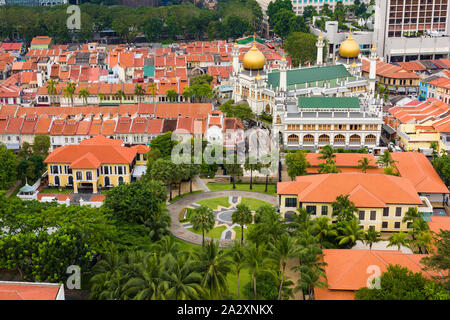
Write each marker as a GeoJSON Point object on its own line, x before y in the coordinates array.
{"type": "Point", "coordinates": [349, 48]}
{"type": "Point", "coordinates": [254, 59]}
{"type": "Point", "coordinates": [258, 77]}
{"type": "Point", "coordinates": [354, 64]}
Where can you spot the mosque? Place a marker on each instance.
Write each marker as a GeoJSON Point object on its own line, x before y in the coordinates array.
{"type": "Point", "coordinates": [316, 105]}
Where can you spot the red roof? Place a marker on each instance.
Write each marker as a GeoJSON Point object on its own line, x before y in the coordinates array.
{"type": "Point", "coordinates": [28, 291]}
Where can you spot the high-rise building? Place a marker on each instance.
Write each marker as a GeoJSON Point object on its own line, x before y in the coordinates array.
{"type": "Point", "coordinates": [412, 29]}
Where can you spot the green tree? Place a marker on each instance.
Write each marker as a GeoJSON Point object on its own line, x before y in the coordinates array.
{"type": "Point", "coordinates": [399, 283]}
{"type": "Point", "coordinates": [139, 92]}
{"type": "Point", "coordinates": [242, 216]}
{"type": "Point", "coordinates": [164, 171]}
{"type": "Point", "coordinates": [280, 251]}
{"type": "Point", "coordinates": [52, 89]}
{"type": "Point", "coordinates": [203, 219]}
{"type": "Point", "coordinates": [172, 95]}
{"type": "Point", "coordinates": [301, 47]}
{"type": "Point", "coordinates": [385, 160]}
{"type": "Point", "coordinates": [323, 230]}
{"type": "Point", "coordinates": [214, 265]}
{"type": "Point", "coordinates": [153, 28]}
{"type": "Point", "coordinates": [398, 239]}
{"type": "Point", "coordinates": [136, 201]}
{"type": "Point", "coordinates": [119, 95]}
{"type": "Point", "coordinates": [234, 168]}
{"type": "Point", "coordinates": [296, 164]}
{"type": "Point", "coordinates": [343, 208]}
{"type": "Point", "coordinates": [350, 233]}
{"type": "Point", "coordinates": [8, 167]}
{"type": "Point", "coordinates": [252, 164]}
{"type": "Point", "coordinates": [237, 256]}
{"type": "Point", "coordinates": [439, 260]}
{"type": "Point", "coordinates": [309, 12]}
{"type": "Point", "coordinates": [371, 236]}
{"type": "Point", "coordinates": [163, 143]}
{"type": "Point", "coordinates": [442, 166]}
{"type": "Point", "coordinates": [41, 144]}
{"type": "Point", "coordinates": [364, 164]}
{"type": "Point", "coordinates": [267, 226]}
{"type": "Point", "coordinates": [158, 223]}
{"type": "Point", "coordinates": [69, 91]}
{"type": "Point", "coordinates": [257, 261]}
{"type": "Point", "coordinates": [84, 94]}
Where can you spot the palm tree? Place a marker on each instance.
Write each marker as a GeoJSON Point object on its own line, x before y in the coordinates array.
{"type": "Point", "coordinates": [411, 215]}
{"type": "Point", "coordinates": [182, 281]}
{"type": "Point", "coordinates": [101, 97]}
{"type": "Point", "coordinates": [153, 91]}
{"type": "Point", "coordinates": [242, 216]}
{"type": "Point", "coordinates": [172, 95]}
{"type": "Point", "coordinates": [344, 208]}
{"type": "Point", "coordinates": [256, 261]}
{"type": "Point", "coordinates": [139, 92]}
{"type": "Point", "coordinates": [398, 239]}
{"type": "Point", "coordinates": [84, 94]}
{"type": "Point", "coordinates": [252, 164]}
{"type": "Point", "coordinates": [312, 275]}
{"type": "Point", "coordinates": [158, 223]}
{"type": "Point", "coordinates": [119, 95]}
{"type": "Point", "coordinates": [280, 251]}
{"type": "Point", "coordinates": [214, 265]}
{"type": "Point", "coordinates": [203, 219]}
{"type": "Point", "coordinates": [351, 232]}
{"type": "Point", "coordinates": [234, 168]}
{"type": "Point", "coordinates": [51, 89]}
{"type": "Point", "coordinates": [424, 240]}
{"type": "Point", "coordinates": [323, 229]}
{"type": "Point", "coordinates": [237, 255]}
{"type": "Point", "coordinates": [364, 164]}
{"type": "Point", "coordinates": [147, 283]}
{"type": "Point", "coordinates": [167, 245]}
{"type": "Point", "coordinates": [69, 90]}
{"type": "Point", "coordinates": [386, 159]}
{"type": "Point", "coordinates": [327, 153]}
{"type": "Point", "coordinates": [328, 167]}
{"type": "Point", "coordinates": [371, 237]}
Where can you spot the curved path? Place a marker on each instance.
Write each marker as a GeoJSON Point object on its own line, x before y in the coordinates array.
{"type": "Point", "coordinates": [183, 234]}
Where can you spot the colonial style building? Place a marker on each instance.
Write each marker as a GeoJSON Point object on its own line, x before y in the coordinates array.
{"type": "Point", "coordinates": [95, 163]}
{"type": "Point", "coordinates": [382, 200]}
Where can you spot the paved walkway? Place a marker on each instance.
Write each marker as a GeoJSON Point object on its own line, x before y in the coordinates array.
{"type": "Point", "coordinates": [180, 232]}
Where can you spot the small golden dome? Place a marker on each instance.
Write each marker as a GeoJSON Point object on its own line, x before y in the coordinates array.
{"type": "Point", "coordinates": [320, 36]}
{"type": "Point", "coordinates": [354, 64]}
{"type": "Point", "coordinates": [254, 59]}
{"type": "Point", "coordinates": [374, 48]}
{"type": "Point", "coordinates": [235, 44]}
{"type": "Point", "coordinates": [349, 48]}
{"type": "Point", "coordinates": [258, 77]}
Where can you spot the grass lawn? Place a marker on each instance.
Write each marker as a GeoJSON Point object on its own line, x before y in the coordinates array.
{"type": "Point", "coordinates": [237, 229]}
{"type": "Point", "coordinates": [214, 233]}
{"type": "Point", "coordinates": [56, 190]}
{"type": "Point", "coordinates": [214, 203]}
{"type": "Point", "coordinates": [258, 187]}
{"type": "Point", "coordinates": [254, 204]}
{"type": "Point", "coordinates": [184, 195]}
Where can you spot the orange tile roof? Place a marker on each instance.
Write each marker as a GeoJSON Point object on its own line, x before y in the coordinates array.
{"type": "Point", "coordinates": [365, 190]}
{"type": "Point", "coordinates": [91, 153]}
{"type": "Point", "coordinates": [173, 110]}
{"type": "Point", "coordinates": [390, 70]}
{"type": "Point", "coordinates": [25, 291]}
{"type": "Point", "coordinates": [41, 40]}
{"type": "Point", "coordinates": [439, 223]}
{"type": "Point", "coordinates": [347, 269]}
{"type": "Point", "coordinates": [415, 167]}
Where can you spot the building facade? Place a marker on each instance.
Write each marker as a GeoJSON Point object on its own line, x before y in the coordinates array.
{"type": "Point", "coordinates": [382, 200]}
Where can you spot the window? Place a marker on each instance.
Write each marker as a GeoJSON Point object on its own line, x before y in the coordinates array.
{"type": "Point", "coordinates": [409, 225]}
{"type": "Point", "coordinates": [324, 210]}
{"type": "Point", "coordinates": [385, 212]}
{"type": "Point", "coordinates": [371, 227]}
{"type": "Point", "coordinates": [361, 215]}
{"type": "Point", "coordinates": [398, 212]}
{"type": "Point", "coordinates": [384, 224]}
{"type": "Point", "coordinates": [79, 175]}
{"type": "Point", "coordinates": [397, 225]}
{"type": "Point", "coordinates": [311, 209]}
{"type": "Point", "coordinates": [120, 169]}
{"type": "Point", "coordinates": [373, 215]}
{"type": "Point", "coordinates": [290, 202]}
{"type": "Point", "coordinates": [88, 175]}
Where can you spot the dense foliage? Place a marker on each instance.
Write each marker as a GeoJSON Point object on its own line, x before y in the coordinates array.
{"type": "Point", "coordinates": [182, 21]}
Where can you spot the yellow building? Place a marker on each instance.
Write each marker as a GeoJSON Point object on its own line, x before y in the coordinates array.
{"type": "Point", "coordinates": [382, 200]}
{"type": "Point", "coordinates": [421, 136]}
{"type": "Point", "coordinates": [95, 163]}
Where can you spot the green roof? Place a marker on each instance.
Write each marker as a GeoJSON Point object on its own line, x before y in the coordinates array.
{"type": "Point", "coordinates": [329, 102]}
{"type": "Point", "coordinates": [248, 40]}
{"type": "Point", "coordinates": [149, 71]}
{"type": "Point", "coordinates": [299, 76]}
{"type": "Point", "coordinates": [26, 188]}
